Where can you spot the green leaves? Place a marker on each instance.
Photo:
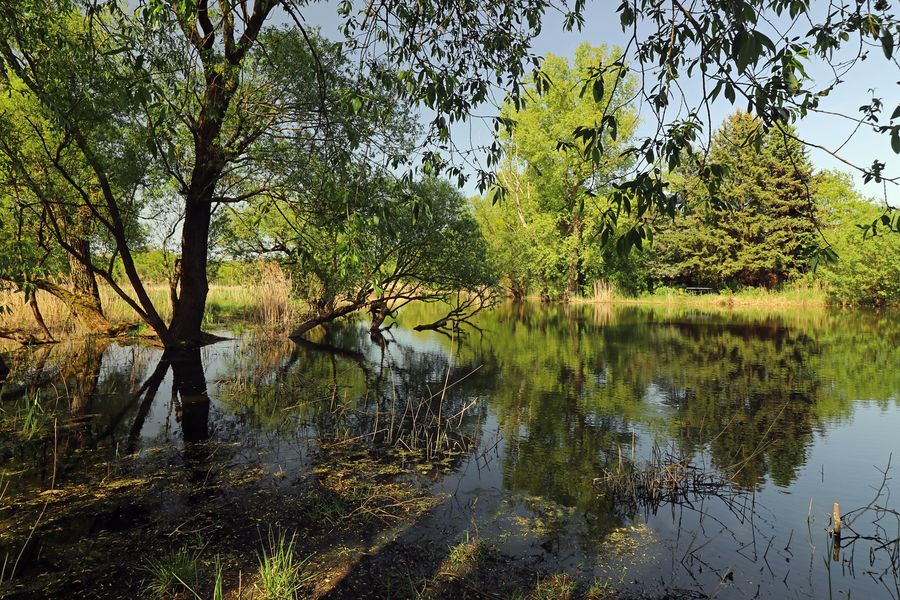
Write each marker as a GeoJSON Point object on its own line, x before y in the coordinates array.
{"type": "Point", "coordinates": [887, 43]}
{"type": "Point", "coordinates": [542, 82]}
{"type": "Point", "coordinates": [597, 89]}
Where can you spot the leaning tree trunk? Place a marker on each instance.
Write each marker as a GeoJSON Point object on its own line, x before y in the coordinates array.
{"type": "Point", "coordinates": [84, 307]}
{"type": "Point", "coordinates": [379, 311]}
{"type": "Point", "coordinates": [84, 300]}
{"type": "Point", "coordinates": [39, 318]}
{"type": "Point", "coordinates": [337, 313]}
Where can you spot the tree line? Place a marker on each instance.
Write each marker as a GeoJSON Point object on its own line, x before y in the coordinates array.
{"type": "Point", "coordinates": [772, 220]}
{"type": "Point", "coordinates": [232, 126]}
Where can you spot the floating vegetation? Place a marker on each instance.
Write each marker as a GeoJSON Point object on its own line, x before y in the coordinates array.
{"type": "Point", "coordinates": [357, 486]}
{"type": "Point", "coordinates": [544, 517]}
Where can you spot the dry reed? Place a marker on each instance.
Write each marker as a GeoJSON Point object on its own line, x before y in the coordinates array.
{"type": "Point", "coordinates": [663, 479]}
{"type": "Point", "coordinates": [273, 295]}
{"type": "Point", "coordinates": [603, 291]}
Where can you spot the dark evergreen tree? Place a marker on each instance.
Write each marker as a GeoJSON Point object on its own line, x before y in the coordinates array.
{"type": "Point", "coordinates": [761, 230]}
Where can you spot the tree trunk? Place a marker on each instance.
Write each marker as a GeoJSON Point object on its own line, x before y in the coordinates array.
{"type": "Point", "coordinates": [222, 61]}
{"type": "Point", "coordinates": [38, 317]}
{"type": "Point", "coordinates": [435, 326]}
{"type": "Point", "coordinates": [85, 300]}
{"type": "Point", "coordinates": [187, 314]}
{"type": "Point", "coordinates": [85, 309]}
{"type": "Point", "coordinates": [573, 277]}
{"type": "Point", "coordinates": [380, 312]}
{"type": "Point", "coordinates": [327, 318]}
{"type": "Point", "coordinates": [209, 162]}
{"type": "Point", "coordinates": [519, 291]}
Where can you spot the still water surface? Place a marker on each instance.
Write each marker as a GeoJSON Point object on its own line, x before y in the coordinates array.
{"type": "Point", "coordinates": [786, 413]}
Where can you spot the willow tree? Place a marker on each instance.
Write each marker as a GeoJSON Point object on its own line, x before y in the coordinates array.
{"type": "Point", "coordinates": [93, 94]}
{"type": "Point", "coordinates": [389, 243]}
{"type": "Point", "coordinates": [51, 228]}
{"type": "Point", "coordinates": [158, 100]}
{"type": "Point", "coordinates": [557, 198]}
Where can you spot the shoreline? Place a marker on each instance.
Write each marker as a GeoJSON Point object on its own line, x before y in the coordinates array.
{"type": "Point", "coordinates": [717, 301]}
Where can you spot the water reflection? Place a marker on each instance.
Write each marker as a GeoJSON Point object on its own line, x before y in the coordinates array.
{"type": "Point", "coordinates": [751, 391]}
{"type": "Point", "coordinates": [542, 401]}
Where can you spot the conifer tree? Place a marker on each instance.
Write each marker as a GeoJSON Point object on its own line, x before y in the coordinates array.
{"type": "Point", "coordinates": [761, 229]}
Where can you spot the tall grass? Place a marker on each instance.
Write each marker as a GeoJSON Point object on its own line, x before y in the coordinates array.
{"type": "Point", "coordinates": [29, 417]}
{"type": "Point", "coordinates": [603, 291]}
{"type": "Point", "coordinates": [17, 314]}
{"type": "Point", "coordinates": [265, 298]}
{"type": "Point", "coordinates": [32, 418]}
{"type": "Point", "coordinates": [273, 293]}
{"type": "Point", "coordinates": [796, 295]}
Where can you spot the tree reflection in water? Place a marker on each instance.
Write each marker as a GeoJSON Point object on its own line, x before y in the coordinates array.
{"type": "Point", "coordinates": [560, 395]}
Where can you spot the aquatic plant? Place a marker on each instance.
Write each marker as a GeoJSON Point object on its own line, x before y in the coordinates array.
{"type": "Point", "coordinates": [218, 579]}
{"type": "Point", "coordinates": [31, 418]}
{"type": "Point", "coordinates": [664, 478]}
{"type": "Point", "coordinates": [600, 590]}
{"type": "Point", "coordinates": [28, 418]}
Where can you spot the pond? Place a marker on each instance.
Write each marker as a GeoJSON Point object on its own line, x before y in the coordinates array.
{"type": "Point", "coordinates": [651, 450]}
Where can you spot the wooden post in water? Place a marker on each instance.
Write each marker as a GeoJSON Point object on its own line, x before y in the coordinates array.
{"type": "Point", "coordinates": [836, 532]}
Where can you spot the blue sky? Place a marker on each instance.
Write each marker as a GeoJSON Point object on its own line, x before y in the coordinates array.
{"type": "Point", "coordinates": [874, 76]}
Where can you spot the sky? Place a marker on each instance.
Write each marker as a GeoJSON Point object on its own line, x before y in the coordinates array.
{"type": "Point", "coordinates": [875, 76]}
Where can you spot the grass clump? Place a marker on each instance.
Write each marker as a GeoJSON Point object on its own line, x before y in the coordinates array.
{"type": "Point", "coordinates": [469, 553]}
{"type": "Point", "coordinates": [600, 590]}
{"type": "Point", "coordinates": [28, 417]}
{"type": "Point", "coordinates": [32, 419]}
{"type": "Point", "coordinates": [218, 588]}
{"type": "Point", "coordinates": [281, 572]}
{"type": "Point", "coordinates": [175, 572]}
{"type": "Point", "coordinates": [555, 587]}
